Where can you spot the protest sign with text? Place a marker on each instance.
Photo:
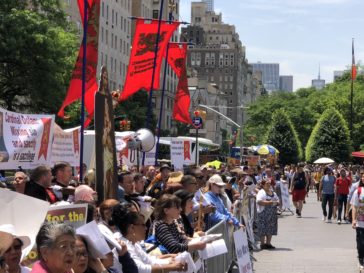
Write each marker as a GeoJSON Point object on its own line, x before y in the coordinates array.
{"type": "Point", "coordinates": [25, 139]}
{"type": "Point", "coordinates": [182, 153]}
{"type": "Point", "coordinates": [242, 251]}
{"type": "Point", "coordinates": [66, 146]}
{"type": "Point", "coordinates": [285, 196]}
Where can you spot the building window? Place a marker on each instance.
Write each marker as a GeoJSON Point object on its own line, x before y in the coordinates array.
{"type": "Point", "coordinates": [116, 19]}
{"type": "Point", "coordinates": [198, 58]}
{"type": "Point", "coordinates": [207, 59]}
{"type": "Point", "coordinates": [106, 37]}
{"type": "Point", "coordinates": [112, 40]}
{"type": "Point", "coordinates": [193, 58]}
{"type": "Point", "coordinates": [121, 22]}
{"type": "Point", "coordinates": [102, 34]}
{"type": "Point", "coordinates": [102, 58]}
{"type": "Point", "coordinates": [155, 14]}
{"type": "Point", "coordinates": [127, 49]}
{"type": "Point", "coordinates": [116, 42]}
{"type": "Point", "coordinates": [121, 45]}
{"type": "Point", "coordinates": [112, 16]}
{"type": "Point", "coordinates": [107, 12]}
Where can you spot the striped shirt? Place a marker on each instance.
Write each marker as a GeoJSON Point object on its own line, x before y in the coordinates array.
{"type": "Point", "coordinates": [169, 236]}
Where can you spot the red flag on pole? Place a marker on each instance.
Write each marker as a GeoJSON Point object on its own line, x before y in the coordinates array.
{"type": "Point", "coordinates": [75, 88]}
{"type": "Point", "coordinates": [177, 60]}
{"type": "Point", "coordinates": [141, 61]}
{"type": "Point", "coordinates": [353, 66]}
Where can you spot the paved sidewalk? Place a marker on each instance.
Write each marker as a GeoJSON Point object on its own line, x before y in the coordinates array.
{"type": "Point", "coordinates": [308, 245]}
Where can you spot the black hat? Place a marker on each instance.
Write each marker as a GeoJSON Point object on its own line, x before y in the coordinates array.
{"type": "Point", "coordinates": [184, 195]}
{"type": "Point", "coordinates": [164, 166]}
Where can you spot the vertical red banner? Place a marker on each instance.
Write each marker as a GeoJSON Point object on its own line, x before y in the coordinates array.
{"type": "Point", "coordinates": [141, 63]}
{"type": "Point", "coordinates": [43, 150]}
{"type": "Point", "coordinates": [75, 88]}
{"type": "Point", "coordinates": [177, 60]}
{"type": "Point", "coordinates": [187, 150]}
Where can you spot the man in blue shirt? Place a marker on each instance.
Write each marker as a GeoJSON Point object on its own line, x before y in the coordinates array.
{"type": "Point", "coordinates": [216, 186]}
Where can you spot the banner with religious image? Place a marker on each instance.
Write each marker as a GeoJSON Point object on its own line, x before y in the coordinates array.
{"type": "Point", "coordinates": [25, 139]}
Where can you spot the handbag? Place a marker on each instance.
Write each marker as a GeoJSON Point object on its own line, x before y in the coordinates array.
{"type": "Point", "coordinates": [152, 239]}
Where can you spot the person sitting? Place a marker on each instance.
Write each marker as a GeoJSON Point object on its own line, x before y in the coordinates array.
{"type": "Point", "coordinates": [13, 254]}
{"type": "Point", "coordinates": [56, 248]}
{"type": "Point", "coordinates": [186, 209]}
{"type": "Point", "coordinates": [158, 185]}
{"type": "Point", "coordinates": [216, 186]}
{"type": "Point", "coordinates": [85, 193]}
{"type": "Point", "coordinates": [132, 227]}
{"type": "Point", "coordinates": [84, 263]}
{"type": "Point", "coordinates": [167, 211]}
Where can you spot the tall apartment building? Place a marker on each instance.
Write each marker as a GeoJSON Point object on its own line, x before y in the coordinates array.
{"type": "Point", "coordinates": [210, 4]}
{"type": "Point", "coordinates": [218, 55]}
{"type": "Point", "coordinates": [286, 83]}
{"type": "Point", "coordinates": [270, 73]}
{"type": "Point", "coordinates": [114, 36]}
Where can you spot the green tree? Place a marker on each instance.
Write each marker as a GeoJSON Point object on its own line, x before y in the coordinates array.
{"type": "Point", "coordinates": [37, 53]}
{"type": "Point", "coordinates": [282, 135]}
{"type": "Point", "coordinates": [330, 138]}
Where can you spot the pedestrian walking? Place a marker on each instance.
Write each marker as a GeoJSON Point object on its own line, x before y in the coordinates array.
{"type": "Point", "coordinates": [357, 203]}
{"type": "Point", "coordinates": [327, 193]}
{"type": "Point", "coordinates": [298, 189]}
{"type": "Point", "coordinates": [342, 186]}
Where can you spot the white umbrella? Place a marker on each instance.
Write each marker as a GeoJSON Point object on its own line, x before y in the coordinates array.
{"type": "Point", "coordinates": [324, 160]}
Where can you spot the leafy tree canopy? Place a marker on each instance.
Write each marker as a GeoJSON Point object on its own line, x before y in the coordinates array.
{"type": "Point", "coordinates": [329, 138]}
{"type": "Point", "coordinates": [38, 48]}
{"type": "Point", "coordinates": [283, 136]}
{"type": "Point", "coordinates": [304, 107]}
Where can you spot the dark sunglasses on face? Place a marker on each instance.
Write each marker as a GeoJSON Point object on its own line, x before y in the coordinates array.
{"type": "Point", "coordinates": [2, 262]}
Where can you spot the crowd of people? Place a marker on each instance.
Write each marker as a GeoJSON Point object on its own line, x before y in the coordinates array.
{"type": "Point", "coordinates": [158, 211]}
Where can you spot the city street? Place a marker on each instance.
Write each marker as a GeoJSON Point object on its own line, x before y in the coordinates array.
{"type": "Point", "coordinates": [308, 245]}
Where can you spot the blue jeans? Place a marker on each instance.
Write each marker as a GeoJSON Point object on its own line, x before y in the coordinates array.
{"type": "Point", "coordinates": [327, 199]}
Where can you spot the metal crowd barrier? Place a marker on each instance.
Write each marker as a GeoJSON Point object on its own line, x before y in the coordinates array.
{"type": "Point", "coordinates": [222, 263]}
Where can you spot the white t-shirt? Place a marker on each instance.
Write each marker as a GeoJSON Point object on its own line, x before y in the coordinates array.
{"type": "Point", "coordinates": [263, 196]}
{"type": "Point", "coordinates": [142, 260]}
{"type": "Point", "coordinates": [358, 202]}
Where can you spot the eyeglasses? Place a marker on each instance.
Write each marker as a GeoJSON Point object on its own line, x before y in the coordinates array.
{"type": "Point", "coordinates": [2, 262]}
{"type": "Point", "coordinates": [81, 253]}
{"type": "Point", "coordinates": [65, 247]}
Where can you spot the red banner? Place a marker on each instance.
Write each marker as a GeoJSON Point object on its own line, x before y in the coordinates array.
{"type": "Point", "coordinates": [75, 88]}
{"type": "Point", "coordinates": [140, 69]}
{"type": "Point", "coordinates": [76, 143]}
{"type": "Point", "coordinates": [177, 60]}
{"type": "Point", "coordinates": [187, 150]}
{"type": "Point", "coordinates": [353, 66]}
{"type": "Point", "coordinates": [43, 150]}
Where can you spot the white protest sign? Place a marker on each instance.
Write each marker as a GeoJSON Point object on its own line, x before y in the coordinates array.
{"type": "Point", "coordinates": [25, 139]}
{"type": "Point", "coordinates": [242, 251]}
{"type": "Point", "coordinates": [25, 213]}
{"type": "Point", "coordinates": [181, 153]}
{"type": "Point", "coordinates": [213, 249]}
{"type": "Point", "coordinates": [285, 196]}
{"type": "Point", "coordinates": [66, 146]}
{"type": "Point", "coordinates": [96, 242]}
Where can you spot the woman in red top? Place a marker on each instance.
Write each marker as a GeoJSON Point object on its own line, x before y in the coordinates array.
{"type": "Point", "coordinates": [342, 190]}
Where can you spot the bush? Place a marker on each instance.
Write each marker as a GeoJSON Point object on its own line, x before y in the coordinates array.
{"type": "Point", "coordinates": [329, 138]}
{"type": "Point", "coordinates": [282, 135]}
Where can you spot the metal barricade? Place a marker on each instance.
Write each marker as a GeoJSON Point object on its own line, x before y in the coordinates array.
{"type": "Point", "coordinates": [222, 263]}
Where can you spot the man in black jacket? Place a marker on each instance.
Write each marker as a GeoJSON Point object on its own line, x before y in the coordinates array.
{"type": "Point", "coordinates": [39, 185]}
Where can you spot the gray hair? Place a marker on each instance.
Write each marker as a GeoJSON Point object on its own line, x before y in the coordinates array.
{"type": "Point", "coordinates": [49, 232]}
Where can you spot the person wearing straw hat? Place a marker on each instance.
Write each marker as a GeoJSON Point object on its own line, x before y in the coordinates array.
{"type": "Point", "coordinates": [13, 254]}
{"type": "Point", "coordinates": [6, 239]}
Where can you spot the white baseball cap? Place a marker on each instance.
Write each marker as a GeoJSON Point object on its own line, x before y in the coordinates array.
{"type": "Point", "coordinates": [217, 180]}
{"type": "Point", "coordinates": [8, 228]}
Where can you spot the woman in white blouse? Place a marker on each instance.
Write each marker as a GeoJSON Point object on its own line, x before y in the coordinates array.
{"type": "Point", "coordinates": [267, 220]}
{"type": "Point", "coordinates": [131, 224]}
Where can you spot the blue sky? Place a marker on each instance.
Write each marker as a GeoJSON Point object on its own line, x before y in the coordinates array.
{"type": "Point", "coordinates": [297, 34]}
